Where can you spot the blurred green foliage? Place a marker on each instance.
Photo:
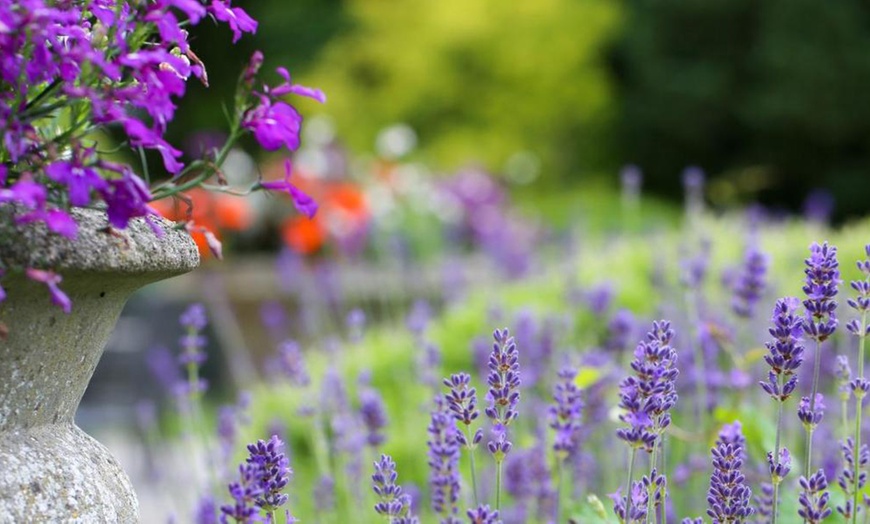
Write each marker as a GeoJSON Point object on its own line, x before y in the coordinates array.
{"type": "Point", "coordinates": [770, 94]}
{"type": "Point", "coordinates": [767, 97]}
{"type": "Point", "coordinates": [477, 80]}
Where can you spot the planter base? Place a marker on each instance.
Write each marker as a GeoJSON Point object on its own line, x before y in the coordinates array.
{"type": "Point", "coordinates": [57, 473]}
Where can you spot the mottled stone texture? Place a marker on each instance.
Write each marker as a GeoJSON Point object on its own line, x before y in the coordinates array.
{"type": "Point", "coordinates": [50, 470]}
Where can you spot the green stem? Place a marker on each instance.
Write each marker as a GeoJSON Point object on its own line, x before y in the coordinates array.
{"type": "Point", "coordinates": [700, 383]}
{"type": "Point", "coordinates": [628, 485]}
{"type": "Point", "coordinates": [859, 409]}
{"type": "Point", "coordinates": [470, 448]}
{"type": "Point", "coordinates": [560, 479]}
{"type": "Point", "coordinates": [498, 464]}
{"type": "Point", "coordinates": [816, 366]}
{"type": "Point", "coordinates": [651, 489]}
{"type": "Point", "coordinates": [774, 481]}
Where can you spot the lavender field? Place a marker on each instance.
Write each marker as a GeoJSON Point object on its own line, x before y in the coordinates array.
{"type": "Point", "coordinates": [712, 369]}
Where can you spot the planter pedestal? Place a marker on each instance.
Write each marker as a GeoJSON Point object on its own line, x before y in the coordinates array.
{"type": "Point", "coordinates": [50, 470]}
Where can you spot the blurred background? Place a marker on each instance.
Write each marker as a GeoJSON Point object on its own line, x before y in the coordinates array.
{"type": "Point", "coordinates": [472, 150]}
{"type": "Point", "coordinates": [769, 99]}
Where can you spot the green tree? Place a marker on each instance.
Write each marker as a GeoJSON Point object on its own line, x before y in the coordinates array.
{"type": "Point", "coordinates": [478, 80]}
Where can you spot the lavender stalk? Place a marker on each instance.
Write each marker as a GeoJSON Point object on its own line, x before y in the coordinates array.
{"type": "Point", "coordinates": [820, 322]}
{"type": "Point", "coordinates": [859, 386]}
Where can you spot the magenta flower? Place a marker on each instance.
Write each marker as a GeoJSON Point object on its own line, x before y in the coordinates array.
{"type": "Point", "coordinates": [304, 203]}
{"type": "Point", "coordinates": [51, 280]}
{"type": "Point", "coordinates": [79, 179]}
{"type": "Point", "coordinates": [274, 125]}
{"type": "Point", "coordinates": [235, 17]}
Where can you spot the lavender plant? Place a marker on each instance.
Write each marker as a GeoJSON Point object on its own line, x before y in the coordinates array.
{"type": "Point", "coordinates": [820, 321]}
{"type": "Point", "coordinates": [502, 398]}
{"type": "Point", "coordinates": [785, 355]}
{"type": "Point", "coordinates": [646, 398]}
{"type": "Point", "coordinates": [462, 403]}
{"type": "Point", "coordinates": [859, 386]}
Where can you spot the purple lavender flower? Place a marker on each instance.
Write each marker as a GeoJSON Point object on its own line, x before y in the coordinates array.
{"type": "Point", "coordinates": [693, 184]}
{"type": "Point", "coordinates": [750, 283]}
{"type": "Point", "coordinates": [192, 356]}
{"type": "Point", "coordinates": [764, 502]}
{"type": "Point", "coordinates": [291, 362]}
{"type": "Point", "coordinates": [696, 520]}
{"type": "Point", "coordinates": [638, 507]}
{"type": "Point", "coordinates": [356, 323]}
{"type": "Point", "coordinates": [619, 331]}
{"type": "Point", "coordinates": [194, 321]}
{"type": "Point", "coordinates": [822, 278]}
{"type": "Point", "coordinates": [847, 480]}
{"type": "Point", "coordinates": [811, 413]}
{"type": "Point", "coordinates": [443, 460]}
{"type": "Point", "coordinates": [631, 178]}
{"type": "Point", "coordinates": [785, 353]}
{"type": "Point", "coordinates": [419, 317]}
{"type": "Point", "coordinates": [695, 266]}
{"type": "Point", "coordinates": [566, 413]}
{"type": "Point", "coordinates": [503, 380]}
{"type": "Point", "coordinates": [729, 496]}
{"type": "Point", "coordinates": [206, 511]}
{"type": "Point", "coordinates": [392, 502]}
{"type": "Point", "coordinates": [843, 375]}
{"type": "Point", "coordinates": [861, 302]}
{"type": "Point", "coordinates": [324, 494]}
{"type": "Point", "coordinates": [272, 472]}
{"type": "Point", "coordinates": [500, 447]}
{"type": "Point", "coordinates": [263, 477]}
{"type": "Point", "coordinates": [373, 415]}
{"type": "Point", "coordinates": [648, 396]}
{"type": "Point", "coordinates": [483, 515]}
{"type": "Point", "coordinates": [599, 299]}
{"type": "Point", "coordinates": [780, 467]}
{"type": "Point", "coordinates": [656, 485]}
{"type": "Point", "coordinates": [813, 499]}
{"type": "Point", "coordinates": [462, 403]}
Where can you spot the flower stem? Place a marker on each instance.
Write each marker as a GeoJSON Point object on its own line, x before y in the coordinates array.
{"type": "Point", "coordinates": [859, 408]}
{"type": "Point", "coordinates": [775, 481]}
{"type": "Point", "coordinates": [700, 382]}
{"type": "Point", "coordinates": [470, 448]}
{"type": "Point", "coordinates": [628, 485]}
{"type": "Point", "coordinates": [560, 474]}
{"type": "Point", "coordinates": [651, 489]}
{"type": "Point", "coordinates": [498, 464]}
{"type": "Point", "coordinates": [816, 366]}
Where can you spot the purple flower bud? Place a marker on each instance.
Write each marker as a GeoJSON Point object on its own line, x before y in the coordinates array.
{"type": "Point", "coordinates": [729, 495]}
{"type": "Point", "coordinates": [780, 467]}
{"type": "Point", "coordinates": [750, 283]}
{"type": "Point", "coordinates": [785, 353]}
{"type": "Point", "coordinates": [647, 397]}
{"type": "Point", "coordinates": [822, 279]}
{"type": "Point", "coordinates": [810, 414]}
{"type": "Point", "coordinates": [392, 502]}
{"type": "Point", "coordinates": [483, 515]}
{"type": "Point", "coordinates": [566, 413]}
{"type": "Point", "coordinates": [813, 498]}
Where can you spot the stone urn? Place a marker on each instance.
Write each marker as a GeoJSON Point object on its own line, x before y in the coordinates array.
{"type": "Point", "coordinates": [50, 470]}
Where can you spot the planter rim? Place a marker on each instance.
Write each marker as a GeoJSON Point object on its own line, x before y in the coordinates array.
{"type": "Point", "coordinates": [134, 250]}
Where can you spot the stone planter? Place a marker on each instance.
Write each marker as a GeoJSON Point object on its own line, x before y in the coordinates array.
{"type": "Point", "coordinates": [50, 470]}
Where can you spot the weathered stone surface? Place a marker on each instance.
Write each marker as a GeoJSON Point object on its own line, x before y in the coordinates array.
{"type": "Point", "coordinates": [50, 471]}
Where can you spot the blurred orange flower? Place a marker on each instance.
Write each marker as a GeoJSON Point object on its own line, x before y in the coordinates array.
{"type": "Point", "coordinates": [216, 212]}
